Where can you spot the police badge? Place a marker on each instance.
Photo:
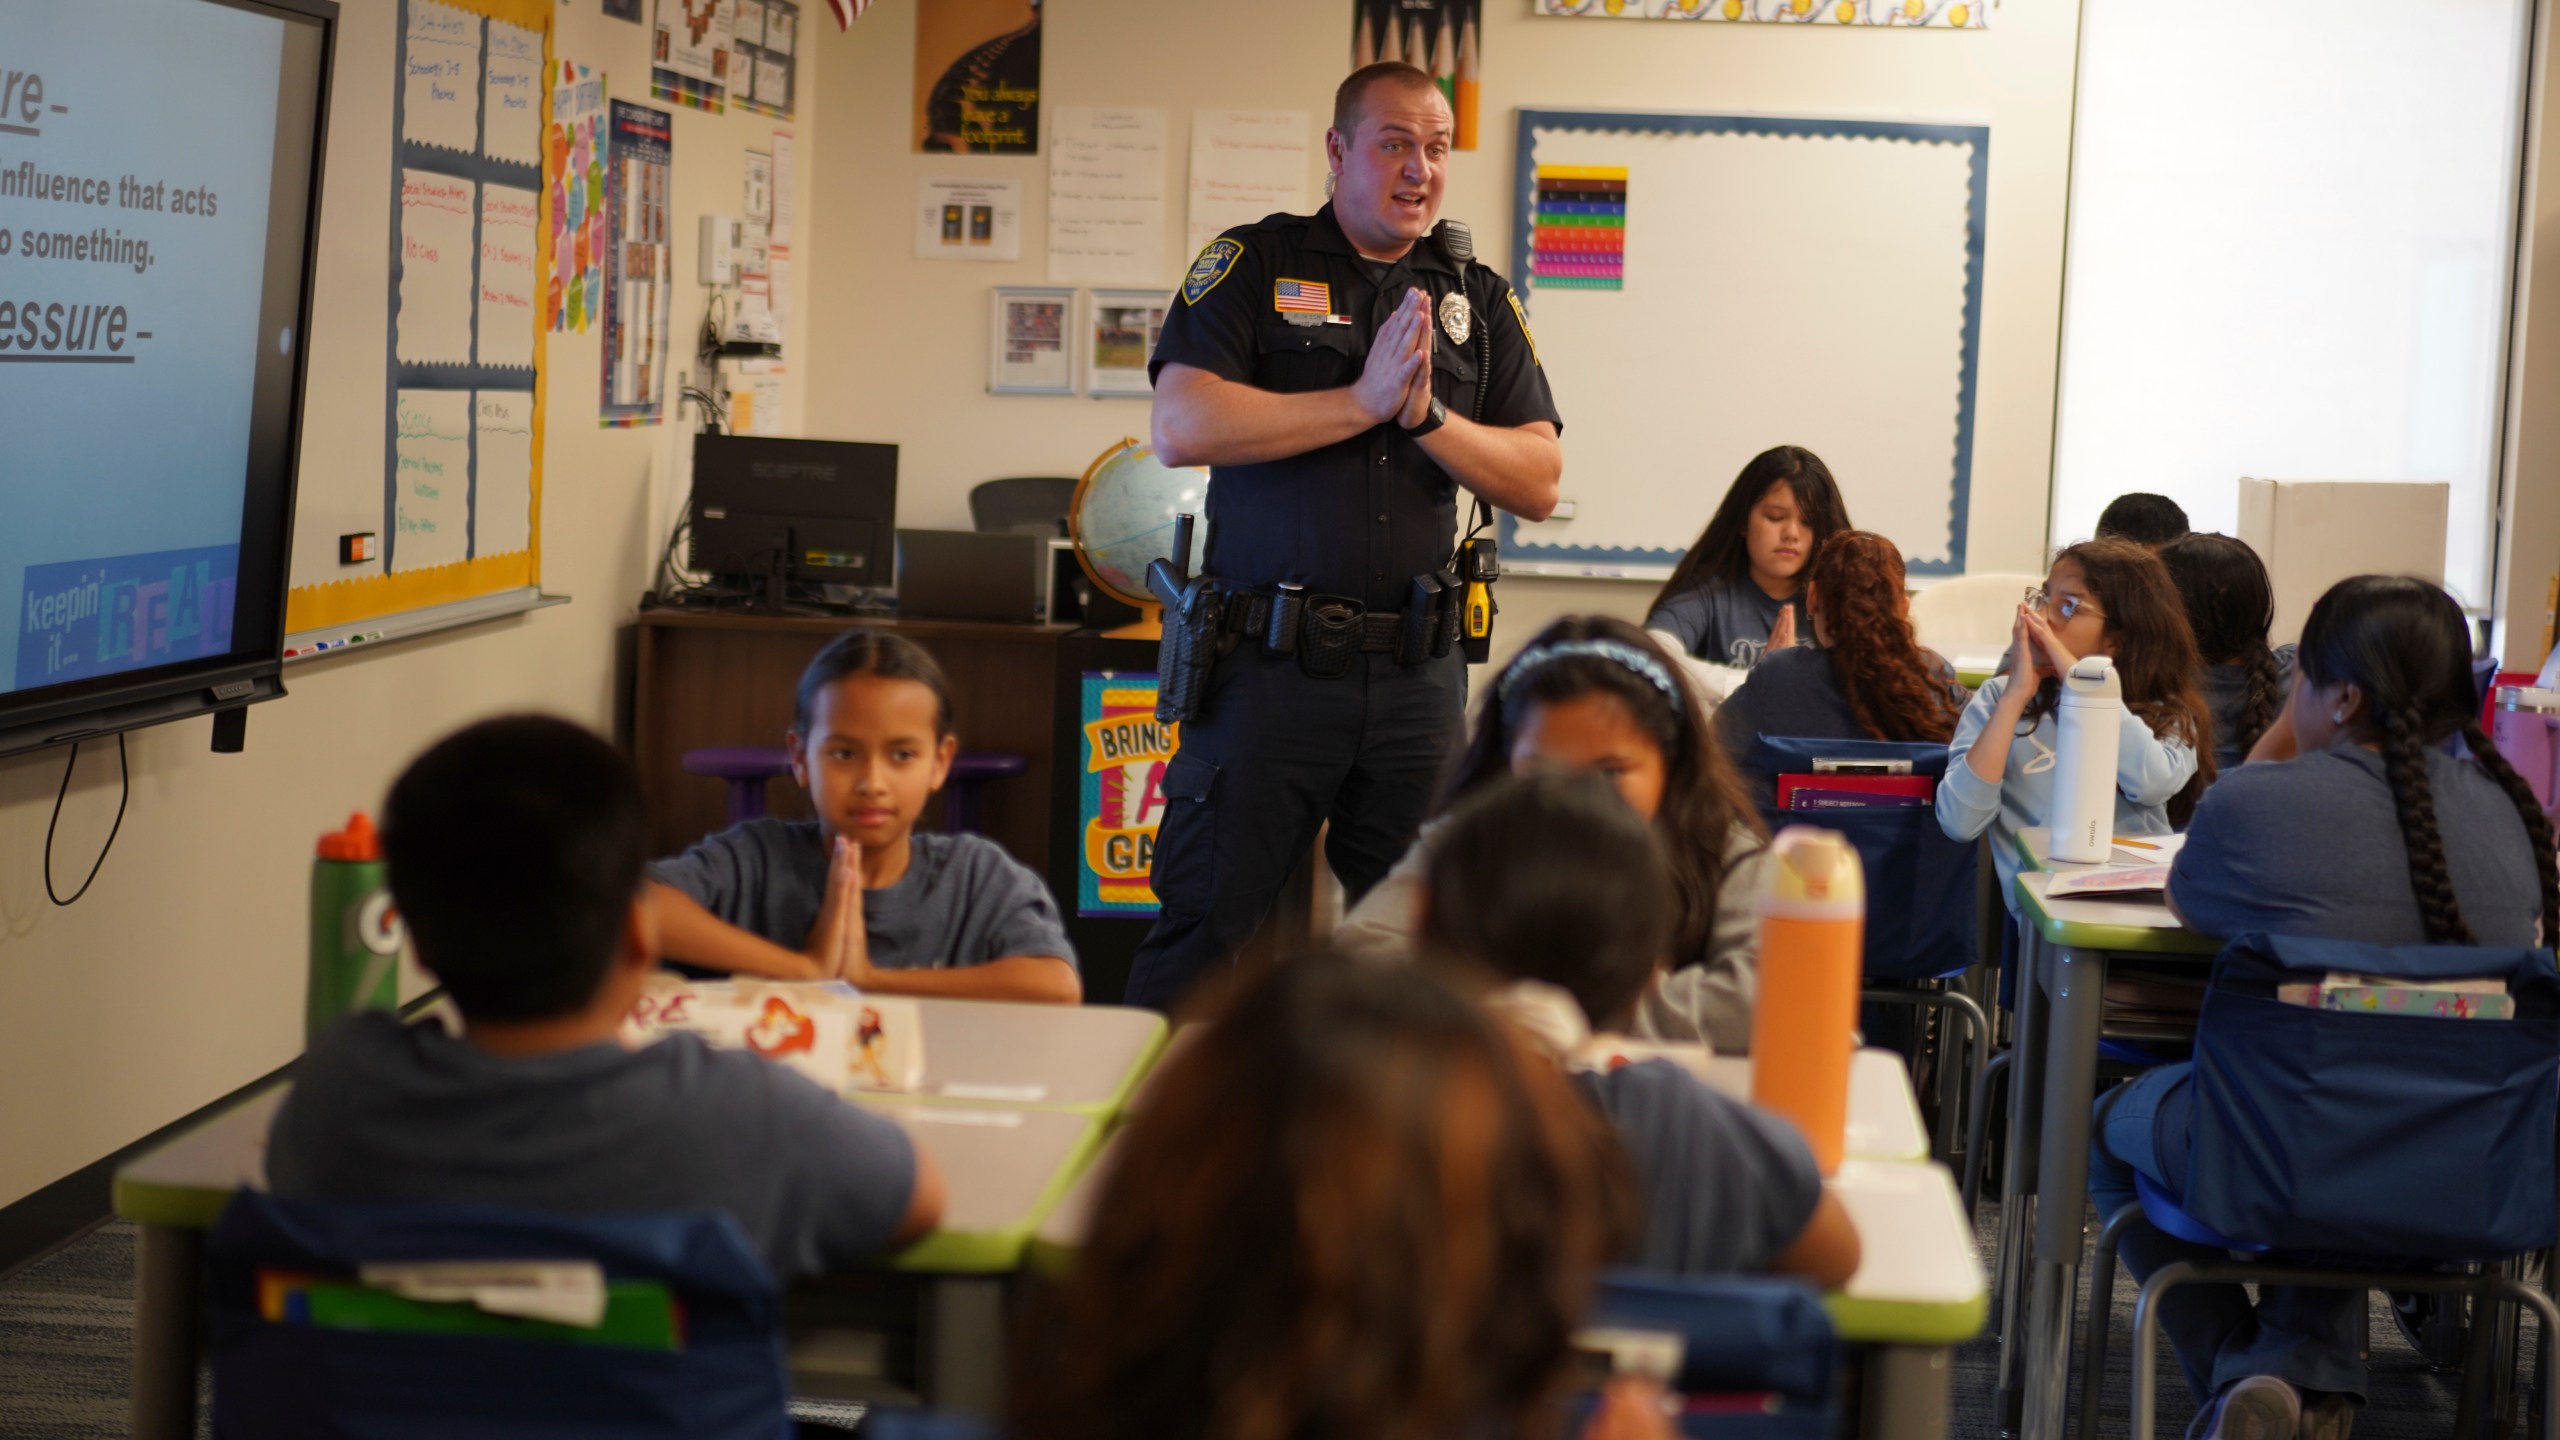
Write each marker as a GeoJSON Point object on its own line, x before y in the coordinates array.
{"type": "Point", "coordinates": [1456, 320]}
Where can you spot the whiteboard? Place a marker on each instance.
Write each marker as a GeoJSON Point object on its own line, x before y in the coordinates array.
{"type": "Point", "coordinates": [1798, 282]}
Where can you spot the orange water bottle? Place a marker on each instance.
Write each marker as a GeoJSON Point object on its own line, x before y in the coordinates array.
{"type": "Point", "coordinates": [1813, 915]}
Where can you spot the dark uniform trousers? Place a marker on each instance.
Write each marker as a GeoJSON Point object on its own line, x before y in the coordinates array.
{"type": "Point", "coordinates": [1289, 306]}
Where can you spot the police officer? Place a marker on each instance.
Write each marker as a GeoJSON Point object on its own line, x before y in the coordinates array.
{"type": "Point", "coordinates": [1344, 374]}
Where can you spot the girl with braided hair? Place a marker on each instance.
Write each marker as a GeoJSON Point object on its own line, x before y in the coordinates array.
{"type": "Point", "coordinates": [2377, 832]}
{"type": "Point", "coordinates": [2231, 605]}
{"type": "Point", "coordinates": [1864, 677]}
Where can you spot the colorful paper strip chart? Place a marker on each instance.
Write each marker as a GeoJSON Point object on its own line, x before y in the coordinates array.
{"type": "Point", "coordinates": [1579, 232]}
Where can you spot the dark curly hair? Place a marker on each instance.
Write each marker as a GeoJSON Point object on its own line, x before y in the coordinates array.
{"type": "Point", "coordinates": [1702, 797]}
{"type": "Point", "coordinates": [2231, 605]}
{"type": "Point", "coordinates": [1359, 1208]}
{"type": "Point", "coordinates": [2155, 655]}
{"type": "Point", "coordinates": [1722, 554]}
{"type": "Point", "coordinates": [2403, 642]}
{"type": "Point", "coordinates": [1895, 688]}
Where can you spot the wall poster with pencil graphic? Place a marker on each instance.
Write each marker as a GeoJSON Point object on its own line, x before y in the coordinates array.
{"type": "Point", "coordinates": [1438, 37]}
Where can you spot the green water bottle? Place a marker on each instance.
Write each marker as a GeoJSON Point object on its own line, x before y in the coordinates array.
{"type": "Point", "coordinates": [355, 934]}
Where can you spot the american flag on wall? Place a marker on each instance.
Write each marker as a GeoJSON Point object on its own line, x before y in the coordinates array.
{"type": "Point", "coordinates": [848, 11]}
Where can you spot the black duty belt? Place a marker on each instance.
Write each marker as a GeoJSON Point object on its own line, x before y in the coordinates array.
{"type": "Point", "coordinates": [1248, 613]}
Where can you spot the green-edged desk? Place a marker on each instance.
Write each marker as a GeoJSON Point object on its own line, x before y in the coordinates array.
{"type": "Point", "coordinates": [1006, 1166]}
{"type": "Point", "coordinates": [1884, 1116]}
{"type": "Point", "coordinates": [2063, 950]}
{"type": "Point", "coordinates": [1919, 1287]}
{"type": "Point", "coordinates": [1085, 1058]}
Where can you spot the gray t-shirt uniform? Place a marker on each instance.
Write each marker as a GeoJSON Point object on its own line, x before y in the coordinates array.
{"type": "Point", "coordinates": [1726, 1188]}
{"type": "Point", "coordinates": [1726, 622]}
{"type": "Point", "coordinates": [2312, 847]}
{"type": "Point", "coordinates": [963, 900]}
{"type": "Point", "coordinates": [386, 1113]}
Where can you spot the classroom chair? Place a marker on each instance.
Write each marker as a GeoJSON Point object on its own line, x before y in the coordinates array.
{"type": "Point", "coordinates": [1920, 927]}
{"type": "Point", "coordinates": [2355, 1150]}
{"type": "Point", "coordinates": [691, 1342]}
{"type": "Point", "coordinates": [1969, 618]}
{"type": "Point", "coordinates": [1754, 1354]}
{"type": "Point", "coordinates": [747, 768]}
{"type": "Point", "coordinates": [1023, 504]}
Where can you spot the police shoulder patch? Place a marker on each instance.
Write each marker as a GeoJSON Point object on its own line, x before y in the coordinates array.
{"type": "Point", "coordinates": [1216, 259]}
{"type": "Point", "coordinates": [1522, 316]}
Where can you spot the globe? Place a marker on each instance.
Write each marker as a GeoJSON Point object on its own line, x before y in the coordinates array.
{"type": "Point", "coordinates": [1122, 519]}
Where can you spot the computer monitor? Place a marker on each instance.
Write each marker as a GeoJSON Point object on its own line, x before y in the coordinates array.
{"type": "Point", "coordinates": [778, 512]}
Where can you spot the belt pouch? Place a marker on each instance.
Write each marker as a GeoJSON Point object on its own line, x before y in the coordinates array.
{"type": "Point", "coordinates": [1444, 614]}
{"type": "Point", "coordinates": [1421, 620]}
{"type": "Point", "coordinates": [1288, 612]}
{"type": "Point", "coordinates": [1329, 639]}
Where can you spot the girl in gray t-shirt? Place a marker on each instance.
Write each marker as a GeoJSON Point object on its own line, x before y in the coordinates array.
{"type": "Point", "coordinates": [1739, 592]}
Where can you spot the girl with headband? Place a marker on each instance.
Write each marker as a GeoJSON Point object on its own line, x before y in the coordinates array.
{"type": "Point", "coordinates": [1596, 693]}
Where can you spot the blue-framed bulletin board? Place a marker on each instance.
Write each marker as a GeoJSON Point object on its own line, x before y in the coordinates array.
{"type": "Point", "coordinates": [1785, 281]}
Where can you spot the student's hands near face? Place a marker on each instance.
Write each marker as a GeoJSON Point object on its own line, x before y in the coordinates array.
{"type": "Point", "coordinates": [838, 944]}
{"type": "Point", "coordinates": [2052, 656]}
{"type": "Point", "coordinates": [1400, 350]}
{"type": "Point", "coordinates": [1782, 636]}
{"type": "Point", "coordinates": [2023, 673]}
{"type": "Point", "coordinates": [1630, 1409]}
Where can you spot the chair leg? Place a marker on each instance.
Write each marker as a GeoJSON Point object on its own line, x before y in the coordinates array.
{"type": "Point", "coordinates": [2146, 1345]}
{"type": "Point", "coordinates": [1980, 1025]}
{"type": "Point", "coordinates": [2102, 1294]}
{"type": "Point", "coordinates": [1978, 1128]}
{"type": "Point", "coordinates": [2547, 1318]}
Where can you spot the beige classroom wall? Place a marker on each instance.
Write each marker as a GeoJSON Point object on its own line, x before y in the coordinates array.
{"type": "Point", "coordinates": [903, 349]}
{"type": "Point", "coordinates": [179, 977]}
{"type": "Point", "coordinates": [2529, 520]}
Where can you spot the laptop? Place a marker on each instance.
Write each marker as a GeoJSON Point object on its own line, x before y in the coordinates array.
{"type": "Point", "coordinates": [969, 575]}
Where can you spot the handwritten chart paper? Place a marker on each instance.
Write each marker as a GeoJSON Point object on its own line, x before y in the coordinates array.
{"type": "Point", "coordinates": [1106, 196]}
{"type": "Point", "coordinates": [436, 213]}
{"type": "Point", "coordinates": [510, 224]}
{"type": "Point", "coordinates": [502, 503]}
{"type": "Point", "coordinates": [431, 490]}
{"type": "Point", "coordinates": [440, 85]}
{"type": "Point", "coordinates": [1245, 164]}
{"type": "Point", "coordinates": [515, 94]}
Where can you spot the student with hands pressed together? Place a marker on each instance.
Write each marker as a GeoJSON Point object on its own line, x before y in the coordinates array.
{"type": "Point", "coordinates": [2102, 597]}
{"type": "Point", "coordinates": [949, 915]}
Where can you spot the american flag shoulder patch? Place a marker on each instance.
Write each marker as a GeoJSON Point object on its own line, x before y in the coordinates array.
{"type": "Point", "coordinates": [1310, 296]}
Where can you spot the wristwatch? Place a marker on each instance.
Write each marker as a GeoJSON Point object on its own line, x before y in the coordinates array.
{"type": "Point", "coordinates": [1438, 417]}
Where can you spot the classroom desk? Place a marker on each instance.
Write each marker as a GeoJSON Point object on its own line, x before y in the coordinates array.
{"type": "Point", "coordinates": [1919, 1287]}
{"type": "Point", "coordinates": [1085, 1058]}
{"type": "Point", "coordinates": [2064, 948]}
{"type": "Point", "coordinates": [1005, 1168]}
{"type": "Point", "coordinates": [1884, 1115]}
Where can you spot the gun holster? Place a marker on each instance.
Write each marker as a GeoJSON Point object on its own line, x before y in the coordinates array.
{"type": "Point", "coordinates": [1188, 649]}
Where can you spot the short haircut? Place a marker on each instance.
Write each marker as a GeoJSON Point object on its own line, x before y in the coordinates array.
{"type": "Point", "coordinates": [1552, 877]}
{"type": "Point", "coordinates": [515, 850]}
{"type": "Point", "coordinates": [872, 652]}
{"type": "Point", "coordinates": [2143, 518]}
{"type": "Point", "coordinates": [1351, 97]}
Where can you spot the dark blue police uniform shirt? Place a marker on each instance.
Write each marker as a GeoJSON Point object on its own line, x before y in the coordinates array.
{"type": "Point", "coordinates": [1363, 516]}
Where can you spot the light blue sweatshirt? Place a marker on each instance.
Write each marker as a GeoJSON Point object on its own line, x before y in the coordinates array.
{"type": "Point", "coordinates": [2149, 770]}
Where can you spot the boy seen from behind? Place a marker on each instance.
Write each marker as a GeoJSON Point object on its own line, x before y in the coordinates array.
{"type": "Point", "coordinates": [515, 850]}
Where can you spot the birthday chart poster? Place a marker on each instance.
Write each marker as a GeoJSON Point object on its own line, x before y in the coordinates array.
{"type": "Point", "coordinates": [573, 172]}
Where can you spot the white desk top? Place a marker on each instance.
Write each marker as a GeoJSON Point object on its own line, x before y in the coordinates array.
{"type": "Point", "coordinates": [1915, 1245]}
{"type": "Point", "coordinates": [1884, 1116]}
{"type": "Point", "coordinates": [1073, 1057]}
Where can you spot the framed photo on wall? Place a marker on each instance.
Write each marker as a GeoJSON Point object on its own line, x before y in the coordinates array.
{"type": "Point", "coordinates": [1028, 341]}
{"type": "Point", "coordinates": [1120, 333]}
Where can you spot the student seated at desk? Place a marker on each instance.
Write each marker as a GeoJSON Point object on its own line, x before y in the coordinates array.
{"type": "Point", "coordinates": [1551, 880]}
{"type": "Point", "coordinates": [2377, 834]}
{"type": "Point", "coordinates": [1354, 1207]}
{"type": "Point", "coordinates": [2231, 605]}
{"type": "Point", "coordinates": [856, 894]}
{"type": "Point", "coordinates": [1738, 595]}
{"type": "Point", "coordinates": [1865, 676]}
{"type": "Point", "coordinates": [2102, 597]}
{"type": "Point", "coordinates": [1594, 693]}
{"type": "Point", "coordinates": [515, 851]}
